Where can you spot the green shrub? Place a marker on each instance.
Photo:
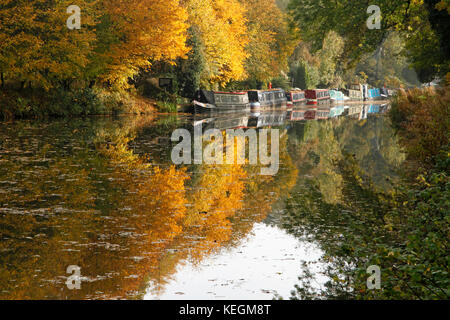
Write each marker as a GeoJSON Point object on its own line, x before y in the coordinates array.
{"type": "Point", "coordinates": [423, 120]}
{"type": "Point", "coordinates": [166, 107]}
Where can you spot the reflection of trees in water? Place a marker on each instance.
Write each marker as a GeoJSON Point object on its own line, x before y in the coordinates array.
{"type": "Point", "coordinates": [341, 198]}
{"type": "Point", "coordinates": [317, 147]}
{"type": "Point", "coordinates": [93, 202]}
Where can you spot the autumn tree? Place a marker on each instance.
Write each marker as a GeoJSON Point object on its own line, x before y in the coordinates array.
{"type": "Point", "coordinates": [136, 32]}
{"type": "Point", "coordinates": [422, 25]}
{"type": "Point", "coordinates": [220, 26]}
{"type": "Point", "coordinates": [36, 44]}
{"type": "Point", "coordinates": [271, 42]}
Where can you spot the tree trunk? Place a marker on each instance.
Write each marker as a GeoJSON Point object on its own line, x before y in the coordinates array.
{"type": "Point", "coordinates": [3, 80]}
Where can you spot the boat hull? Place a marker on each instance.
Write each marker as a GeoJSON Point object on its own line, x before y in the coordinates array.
{"type": "Point", "coordinates": [200, 107]}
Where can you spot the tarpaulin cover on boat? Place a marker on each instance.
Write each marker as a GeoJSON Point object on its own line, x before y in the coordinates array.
{"type": "Point", "coordinates": [205, 96]}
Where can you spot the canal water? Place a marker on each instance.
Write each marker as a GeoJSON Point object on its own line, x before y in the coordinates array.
{"type": "Point", "coordinates": [102, 195]}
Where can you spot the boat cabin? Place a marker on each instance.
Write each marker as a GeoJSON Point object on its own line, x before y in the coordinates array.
{"type": "Point", "coordinates": [221, 101]}
{"type": "Point", "coordinates": [267, 99]}
{"type": "Point", "coordinates": [296, 96]}
{"type": "Point", "coordinates": [317, 96]}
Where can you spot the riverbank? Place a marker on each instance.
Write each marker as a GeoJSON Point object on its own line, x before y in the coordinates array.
{"type": "Point", "coordinates": [36, 104]}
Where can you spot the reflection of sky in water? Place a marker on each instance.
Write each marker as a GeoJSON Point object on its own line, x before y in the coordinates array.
{"type": "Point", "coordinates": [266, 263]}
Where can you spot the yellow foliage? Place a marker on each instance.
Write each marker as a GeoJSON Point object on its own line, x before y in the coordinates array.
{"type": "Point", "coordinates": [270, 41]}
{"type": "Point", "coordinates": [221, 27]}
{"type": "Point", "coordinates": [149, 30]}
{"type": "Point", "coordinates": [36, 44]}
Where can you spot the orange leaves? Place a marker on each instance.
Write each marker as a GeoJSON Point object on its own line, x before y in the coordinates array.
{"type": "Point", "coordinates": [118, 38]}
{"type": "Point", "coordinates": [142, 31]}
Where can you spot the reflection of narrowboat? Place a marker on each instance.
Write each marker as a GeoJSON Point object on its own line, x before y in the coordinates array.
{"type": "Point", "coordinates": [295, 98]}
{"type": "Point", "coordinates": [318, 96]}
{"type": "Point", "coordinates": [323, 114]}
{"type": "Point", "coordinates": [222, 123]}
{"type": "Point", "coordinates": [336, 111]}
{"type": "Point", "coordinates": [267, 99]}
{"type": "Point", "coordinates": [354, 110]}
{"type": "Point", "coordinates": [267, 119]}
{"type": "Point", "coordinates": [310, 114]}
{"type": "Point", "coordinates": [210, 101]}
{"type": "Point", "coordinates": [373, 108]}
{"type": "Point", "coordinates": [297, 115]}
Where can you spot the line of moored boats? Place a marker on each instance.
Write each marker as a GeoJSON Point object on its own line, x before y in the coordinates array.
{"type": "Point", "coordinates": [273, 99]}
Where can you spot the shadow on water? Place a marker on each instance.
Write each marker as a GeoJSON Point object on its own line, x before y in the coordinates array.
{"type": "Point", "coordinates": [103, 194]}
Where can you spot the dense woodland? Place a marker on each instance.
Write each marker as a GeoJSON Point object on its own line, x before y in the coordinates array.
{"type": "Point", "coordinates": [234, 44]}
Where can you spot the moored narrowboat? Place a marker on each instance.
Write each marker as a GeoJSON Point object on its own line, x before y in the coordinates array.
{"type": "Point", "coordinates": [355, 92]}
{"type": "Point", "coordinates": [337, 96]}
{"type": "Point", "coordinates": [212, 101]}
{"type": "Point", "coordinates": [267, 99]}
{"type": "Point", "coordinates": [295, 98]}
{"type": "Point", "coordinates": [318, 96]}
{"type": "Point", "coordinates": [373, 94]}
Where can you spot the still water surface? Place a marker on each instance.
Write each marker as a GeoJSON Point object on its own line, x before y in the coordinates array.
{"type": "Point", "coordinates": [102, 194]}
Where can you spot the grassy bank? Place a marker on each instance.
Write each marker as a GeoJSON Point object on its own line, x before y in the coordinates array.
{"type": "Point", "coordinates": [36, 104]}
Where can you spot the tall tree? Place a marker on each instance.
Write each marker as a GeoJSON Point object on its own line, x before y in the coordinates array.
{"type": "Point", "coordinates": [349, 19]}
{"type": "Point", "coordinates": [270, 40]}
{"type": "Point", "coordinates": [37, 46]}
{"type": "Point", "coordinates": [221, 28]}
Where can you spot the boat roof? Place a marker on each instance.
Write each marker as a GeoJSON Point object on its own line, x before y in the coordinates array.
{"type": "Point", "coordinates": [266, 90]}
{"type": "Point", "coordinates": [238, 92]}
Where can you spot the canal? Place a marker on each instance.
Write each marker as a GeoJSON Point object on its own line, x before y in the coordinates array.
{"type": "Point", "coordinates": [102, 194]}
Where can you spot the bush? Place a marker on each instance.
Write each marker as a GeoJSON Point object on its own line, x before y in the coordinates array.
{"type": "Point", "coordinates": [166, 107]}
{"type": "Point", "coordinates": [422, 118]}
{"type": "Point", "coordinates": [64, 103]}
